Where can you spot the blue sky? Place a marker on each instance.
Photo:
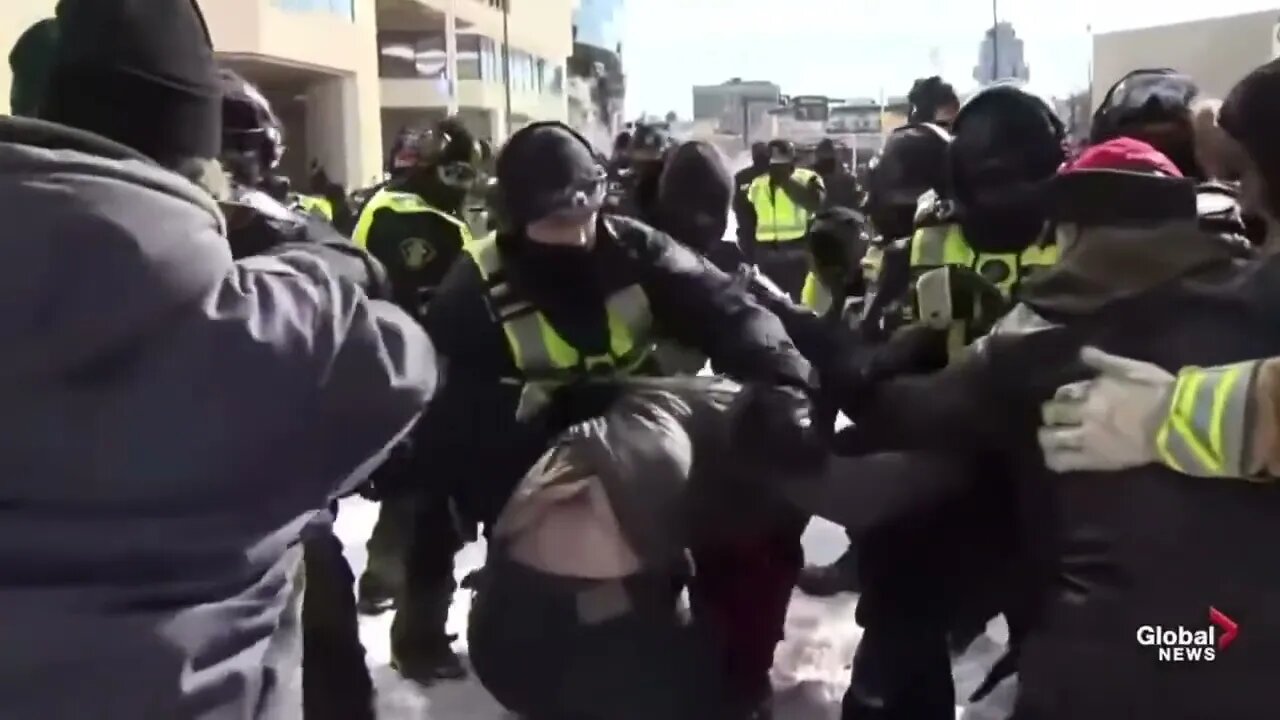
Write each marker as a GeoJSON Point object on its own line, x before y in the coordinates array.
{"type": "Point", "coordinates": [853, 48]}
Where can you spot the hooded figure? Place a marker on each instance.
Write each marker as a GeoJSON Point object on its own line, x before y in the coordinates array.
{"type": "Point", "coordinates": [694, 194]}
{"type": "Point", "coordinates": [30, 62]}
{"type": "Point", "coordinates": [177, 418]}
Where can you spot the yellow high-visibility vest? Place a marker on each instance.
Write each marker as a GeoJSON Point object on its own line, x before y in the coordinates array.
{"type": "Point", "coordinates": [778, 219]}
{"type": "Point", "coordinates": [316, 205]}
{"type": "Point", "coordinates": [815, 295]}
{"type": "Point", "coordinates": [403, 203]}
{"type": "Point", "coordinates": [942, 245]}
{"type": "Point", "coordinates": [542, 357]}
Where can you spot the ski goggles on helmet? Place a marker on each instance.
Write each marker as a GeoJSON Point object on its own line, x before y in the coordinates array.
{"type": "Point", "coordinates": [1150, 95]}
{"type": "Point", "coordinates": [460, 175]}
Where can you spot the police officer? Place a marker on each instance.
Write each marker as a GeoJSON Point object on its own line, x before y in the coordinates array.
{"type": "Point", "coordinates": [415, 226]}
{"type": "Point", "coordinates": [783, 201]}
{"type": "Point", "coordinates": [650, 145]}
{"type": "Point", "coordinates": [564, 293]}
{"type": "Point", "coordinates": [742, 210]}
{"type": "Point", "coordinates": [975, 244]}
{"type": "Point", "coordinates": [912, 163]}
{"type": "Point", "coordinates": [841, 185]}
{"type": "Point", "coordinates": [335, 679]}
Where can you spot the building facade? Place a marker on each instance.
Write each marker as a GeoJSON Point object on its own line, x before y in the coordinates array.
{"type": "Point", "coordinates": [420, 41]}
{"type": "Point", "coordinates": [1216, 52]}
{"type": "Point", "coordinates": [597, 84]}
{"type": "Point", "coordinates": [741, 107]}
{"type": "Point", "coordinates": [1001, 56]}
{"type": "Point", "coordinates": [346, 75]}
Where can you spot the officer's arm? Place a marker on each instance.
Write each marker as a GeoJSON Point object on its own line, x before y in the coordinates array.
{"type": "Point", "coordinates": [807, 195]}
{"type": "Point", "coordinates": [470, 425]}
{"type": "Point", "coordinates": [350, 374]}
{"type": "Point", "coordinates": [702, 307]}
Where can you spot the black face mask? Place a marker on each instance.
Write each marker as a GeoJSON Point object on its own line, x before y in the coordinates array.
{"type": "Point", "coordinates": [1006, 218]}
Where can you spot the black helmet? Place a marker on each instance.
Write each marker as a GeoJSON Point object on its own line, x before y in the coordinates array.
{"type": "Point", "coordinates": [452, 151]}
{"type": "Point", "coordinates": [782, 152]}
{"type": "Point", "coordinates": [760, 154]}
{"type": "Point", "coordinates": [1004, 133]}
{"type": "Point", "coordinates": [650, 143]}
{"type": "Point", "coordinates": [252, 135]}
{"type": "Point", "coordinates": [1152, 105]}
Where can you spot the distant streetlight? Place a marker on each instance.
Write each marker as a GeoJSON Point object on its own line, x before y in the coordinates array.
{"type": "Point", "coordinates": [995, 41]}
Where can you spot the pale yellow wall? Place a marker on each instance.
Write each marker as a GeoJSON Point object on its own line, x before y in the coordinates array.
{"type": "Point", "coordinates": [257, 28]}
{"type": "Point", "coordinates": [1217, 52]}
{"type": "Point", "coordinates": [15, 17]}
{"type": "Point", "coordinates": [541, 27]}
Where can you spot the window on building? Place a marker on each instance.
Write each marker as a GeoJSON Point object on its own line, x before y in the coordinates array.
{"type": "Point", "coordinates": [343, 8]}
{"type": "Point", "coordinates": [411, 55]}
{"type": "Point", "coordinates": [490, 60]}
{"type": "Point", "coordinates": [470, 63]}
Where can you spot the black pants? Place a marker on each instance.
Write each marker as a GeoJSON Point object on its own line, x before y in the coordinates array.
{"type": "Point", "coordinates": [541, 649]}
{"type": "Point", "coordinates": [785, 263]}
{"type": "Point", "coordinates": [423, 605]}
{"type": "Point", "coordinates": [335, 680]}
{"type": "Point", "coordinates": [389, 542]}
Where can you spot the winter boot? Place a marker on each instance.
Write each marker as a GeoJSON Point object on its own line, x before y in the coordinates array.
{"type": "Point", "coordinates": [840, 576]}
{"type": "Point", "coordinates": [431, 663]}
{"type": "Point", "coordinates": [374, 595]}
{"type": "Point", "coordinates": [420, 648]}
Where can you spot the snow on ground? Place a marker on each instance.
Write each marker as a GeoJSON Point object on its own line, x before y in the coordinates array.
{"type": "Point", "coordinates": [811, 669]}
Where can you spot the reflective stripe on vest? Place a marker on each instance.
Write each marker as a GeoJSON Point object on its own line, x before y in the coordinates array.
{"type": "Point", "coordinates": [316, 205]}
{"type": "Point", "coordinates": [942, 245]}
{"type": "Point", "coordinates": [1205, 432]}
{"type": "Point", "coordinates": [538, 350]}
{"type": "Point", "coordinates": [815, 294]}
{"type": "Point", "coordinates": [401, 203]}
{"type": "Point", "coordinates": [778, 219]}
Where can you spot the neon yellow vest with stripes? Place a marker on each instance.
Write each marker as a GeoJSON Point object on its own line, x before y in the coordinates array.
{"type": "Point", "coordinates": [404, 203]}
{"type": "Point", "coordinates": [315, 205]}
{"type": "Point", "coordinates": [542, 357]}
{"type": "Point", "coordinates": [778, 219]}
{"type": "Point", "coordinates": [942, 245]}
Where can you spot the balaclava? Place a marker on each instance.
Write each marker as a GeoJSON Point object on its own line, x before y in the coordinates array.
{"type": "Point", "coordinates": [1007, 145]}
{"type": "Point", "coordinates": [694, 192]}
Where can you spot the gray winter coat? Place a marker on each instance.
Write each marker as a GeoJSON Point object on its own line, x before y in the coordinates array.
{"type": "Point", "coordinates": [169, 421]}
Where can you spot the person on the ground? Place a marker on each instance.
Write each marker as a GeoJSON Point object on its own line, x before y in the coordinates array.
{"type": "Point", "coordinates": [1098, 553]}
{"type": "Point", "coordinates": [415, 226]}
{"type": "Point", "coordinates": [784, 200]}
{"type": "Point", "coordinates": [179, 417]}
{"type": "Point", "coordinates": [564, 292]}
{"type": "Point", "coordinates": [838, 179]}
{"type": "Point", "coordinates": [29, 62]}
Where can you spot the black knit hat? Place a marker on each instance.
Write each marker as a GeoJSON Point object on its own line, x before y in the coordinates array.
{"type": "Point", "coordinates": [1250, 115]}
{"type": "Point", "coordinates": [543, 169]}
{"type": "Point", "coordinates": [140, 72]}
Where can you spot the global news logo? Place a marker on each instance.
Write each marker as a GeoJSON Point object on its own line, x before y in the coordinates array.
{"type": "Point", "coordinates": [1182, 644]}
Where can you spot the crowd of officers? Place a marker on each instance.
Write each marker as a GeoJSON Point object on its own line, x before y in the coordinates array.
{"type": "Point", "coordinates": [1054, 365]}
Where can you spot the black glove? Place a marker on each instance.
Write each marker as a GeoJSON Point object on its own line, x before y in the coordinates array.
{"type": "Point", "coordinates": [774, 425]}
